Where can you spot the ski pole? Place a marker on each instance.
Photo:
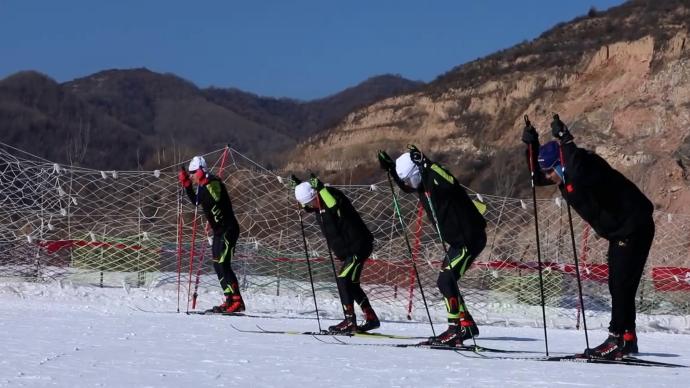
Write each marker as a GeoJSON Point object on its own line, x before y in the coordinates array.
{"type": "Point", "coordinates": [583, 258]}
{"type": "Point", "coordinates": [536, 231]}
{"type": "Point", "coordinates": [180, 224]}
{"type": "Point", "coordinates": [443, 244]}
{"type": "Point", "coordinates": [198, 273]}
{"type": "Point", "coordinates": [191, 253]}
{"type": "Point", "coordinates": [415, 252]}
{"type": "Point", "coordinates": [572, 239]}
{"type": "Point", "coordinates": [396, 206]}
{"type": "Point", "coordinates": [311, 279]}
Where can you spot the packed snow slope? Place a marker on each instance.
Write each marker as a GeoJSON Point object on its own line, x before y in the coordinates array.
{"type": "Point", "coordinates": [67, 336]}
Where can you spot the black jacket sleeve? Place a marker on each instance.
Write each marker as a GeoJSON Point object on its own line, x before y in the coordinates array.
{"type": "Point", "coordinates": [344, 229]}
{"type": "Point", "coordinates": [612, 204]}
{"type": "Point", "coordinates": [458, 219]}
{"type": "Point", "coordinates": [590, 172]}
{"type": "Point", "coordinates": [191, 194]}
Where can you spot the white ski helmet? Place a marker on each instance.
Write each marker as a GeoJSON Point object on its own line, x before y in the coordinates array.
{"type": "Point", "coordinates": [196, 163]}
{"type": "Point", "coordinates": [407, 170]}
{"type": "Point", "coordinates": [304, 193]}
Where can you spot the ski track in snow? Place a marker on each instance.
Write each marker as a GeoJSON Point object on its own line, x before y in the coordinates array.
{"type": "Point", "coordinates": [68, 336]}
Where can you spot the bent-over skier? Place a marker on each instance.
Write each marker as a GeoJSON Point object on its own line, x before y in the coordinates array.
{"type": "Point", "coordinates": [617, 211]}
{"type": "Point", "coordinates": [459, 223]}
{"type": "Point", "coordinates": [350, 241]}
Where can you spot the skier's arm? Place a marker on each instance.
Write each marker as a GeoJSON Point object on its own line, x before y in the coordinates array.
{"type": "Point", "coordinates": [531, 138]}
{"type": "Point", "coordinates": [191, 194]}
{"type": "Point", "coordinates": [214, 189]}
{"type": "Point", "coordinates": [583, 166]}
{"type": "Point", "coordinates": [329, 200]}
{"type": "Point", "coordinates": [437, 179]}
{"type": "Point", "coordinates": [387, 164]}
{"type": "Point", "coordinates": [579, 164]}
{"type": "Point", "coordinates": [440, 177]}
{"type": "Point", "coordinates": [186, 183]}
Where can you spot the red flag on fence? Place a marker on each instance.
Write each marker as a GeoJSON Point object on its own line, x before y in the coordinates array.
{"type": "Point", "coordinates": [671, 278]}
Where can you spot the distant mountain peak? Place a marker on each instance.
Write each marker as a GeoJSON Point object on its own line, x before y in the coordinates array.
{"type": "Point", "coordinates": [126, 116]}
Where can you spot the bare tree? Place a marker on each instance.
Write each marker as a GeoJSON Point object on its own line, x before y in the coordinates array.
{"type": "Point", "coordinates": [504, 175]}
{"type": "Point", "coordinates": [78, 142]}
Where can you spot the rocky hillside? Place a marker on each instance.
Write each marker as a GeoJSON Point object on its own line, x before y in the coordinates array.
{"type": "Point", "coordinates": [619, 78]}
{"type": "Point", "coordinates": [126, 119]}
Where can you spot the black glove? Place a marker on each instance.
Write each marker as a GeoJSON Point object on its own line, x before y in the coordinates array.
{"type": "Point", "coordinates": [293, 181]}
{"type": "Point", "coordinates": [529, 134]}
{"type": "Point", "coordinates": [385, 161]}
{"type": "Point", "coordinates": [560, 131]}
{"type": "Point", "coordinates": [416, 155]}
{"type": "Point", "coordinates": [315, 183]}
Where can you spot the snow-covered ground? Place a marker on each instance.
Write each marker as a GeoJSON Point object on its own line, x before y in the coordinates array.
{"type": "Point", "coordinates": [58, 334]}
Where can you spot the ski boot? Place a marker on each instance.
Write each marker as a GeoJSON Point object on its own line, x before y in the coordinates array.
{"type": "Point", "coordinates": [611, 349]}
{"type": "Point", "coordinates": [629, 342]}
{"type": "Point", "coordinates": [347, 325]}
{"type": "Point", "coordinates": [451, 337]}
{"type": "Point", "coordinates": [468, 326]}
{"type": "Point", "coordinates": [232, 304]}
{"type": "Point", "coordinates": [221, 307]}
{"type": "Point", "coordinates": [371, 321]}
{"type": "Point", "coordinates": [236, 304]}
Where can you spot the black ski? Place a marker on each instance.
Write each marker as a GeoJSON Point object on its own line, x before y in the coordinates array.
{"type": "Point", "coordinates": [626, 360]}
{"type": "Point", "coordinates": [580, 358]}
{"type": "Point", "coordinates": [261, 330]}
{"type": "Point", "coordinates": [577, 358]}
{"type": "Point", "coordinates": [209, 312]}
{"type": "Point", "coordinates": [470, 348]}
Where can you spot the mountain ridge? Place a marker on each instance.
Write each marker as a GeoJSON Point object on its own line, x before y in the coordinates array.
{"type": "Point", "coordinates": [608, 76]}
{"type": "Point", "coordinates": [162, 118]}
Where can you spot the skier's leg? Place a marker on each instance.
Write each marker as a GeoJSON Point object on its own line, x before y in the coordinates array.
{"type": "Point", "coordinates": [223, 250]}
{"type": "Point", "coordinates": [453, 267]}
{"type": "Point", "coordinates": [626, 260]}
{"type": "Point", "coordinates": [349, 324]}
{"type": "Point", "coordinates": [217, 247]}
{"type": "Point", "coordinates": [232, 289]}
{"type": "Point", "coordinates": [355, 287]}
{"type": "Point", "coordinates": [459, 259]}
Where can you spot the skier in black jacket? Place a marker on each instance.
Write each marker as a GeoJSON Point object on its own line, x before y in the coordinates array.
{"type": "Point", "coordinates": [213, 197]}
{"type": "Point", "coordinates": [350, 241]}
{"type": "Point", "coordinates": [460, 224]}
{"type": "Point", "coordinates": [617, 211]}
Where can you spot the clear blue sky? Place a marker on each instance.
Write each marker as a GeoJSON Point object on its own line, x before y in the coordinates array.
{"type": "Point", "coordinates": [292, 48]}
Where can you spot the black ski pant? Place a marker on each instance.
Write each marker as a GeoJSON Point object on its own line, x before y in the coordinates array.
{"type": "Point", "coordinates": [349, 286]}
{"type": "Point", "coordinates": [223, 248]}
{"type": "Point", "coordinates": [454, 265]}
{"type": "Point", "coordinates": [626, 260]}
